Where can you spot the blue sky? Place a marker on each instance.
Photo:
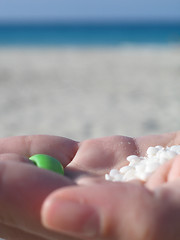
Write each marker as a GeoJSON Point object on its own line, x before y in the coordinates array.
{"type": "Point", "coordinates": [89, 10]}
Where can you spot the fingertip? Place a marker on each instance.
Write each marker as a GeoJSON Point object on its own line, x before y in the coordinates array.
{"type": "Point", "coordinates": [70, 217]}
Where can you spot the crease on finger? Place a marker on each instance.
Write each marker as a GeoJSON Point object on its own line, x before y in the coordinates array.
{"type": "Point", "coordinates": [12, 233]}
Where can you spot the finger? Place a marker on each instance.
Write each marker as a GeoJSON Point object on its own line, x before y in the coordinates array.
{"type": "Point", "coordinates": [102, 211]}
{"type": "Point", "coordinates": [174, 171]}
{"type": "Point", "coordinates": [23, 188]}
{"type": "Point", "coordinates": [160, 176]}
{"type": "Point", "coordinates": [58, 147]}
{"type": "Point", "coordinates": [14, 157]}
{"type": "Point", "coordinates": [103, 153]}
{"type": "Point", "coordinates": [168, 172]}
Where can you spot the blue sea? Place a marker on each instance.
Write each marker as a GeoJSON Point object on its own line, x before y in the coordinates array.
{"type": "Point", "coordinates": [57, 34]}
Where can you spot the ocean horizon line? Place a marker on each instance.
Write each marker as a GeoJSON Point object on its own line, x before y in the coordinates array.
{"type": "Point", "coordinates": [89, 34]}
{"type": "Point", "coordinates": [91, 23]}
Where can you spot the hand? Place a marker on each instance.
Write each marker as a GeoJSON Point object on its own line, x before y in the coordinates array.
{"type": "Point", "coordinates": [28, 194]}
{"type": "Point", "coordinates": [113, 211]}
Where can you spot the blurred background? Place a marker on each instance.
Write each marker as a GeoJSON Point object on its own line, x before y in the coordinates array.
{"type": "Point", "coordinates": [89, 68]}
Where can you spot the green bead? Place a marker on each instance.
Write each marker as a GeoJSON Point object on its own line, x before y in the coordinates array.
{"type": "Point", "coordinates": [47, 162]}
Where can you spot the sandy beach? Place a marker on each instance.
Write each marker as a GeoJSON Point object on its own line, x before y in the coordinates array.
{"type": "Point", "coordinates": [83, 93]}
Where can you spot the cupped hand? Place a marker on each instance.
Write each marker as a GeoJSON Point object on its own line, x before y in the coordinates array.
{"type": "Point", "coordinates": [38, 204]}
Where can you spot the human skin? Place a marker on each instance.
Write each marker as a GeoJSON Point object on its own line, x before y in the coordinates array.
{"type": "Point", "coordinates": [41, 205]}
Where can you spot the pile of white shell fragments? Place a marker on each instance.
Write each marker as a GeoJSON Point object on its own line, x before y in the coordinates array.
{"type": "Point", "coordinates": [142, 167]}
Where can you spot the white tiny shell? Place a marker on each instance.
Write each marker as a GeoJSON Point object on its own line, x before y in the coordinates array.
{"type": "Point", "coordinates": [118, 178]}
{"type": "Point", "coordinates": [151, 151]}
{"type": "Point", "coordinates": [107, 177]}
{"type": "Point", "coordinates": [129, 175]}
{"type": "Point", "coordinates": [113, 172]}
{"type": "Point", "coordinates": [151, 167]}
{"type": "Point", "coordinates": [124, 169]}
{"type": "Point", "coordinates": [132, 157]}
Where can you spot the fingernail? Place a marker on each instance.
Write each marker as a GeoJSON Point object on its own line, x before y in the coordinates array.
{"type": "Point", "coordinates": [70, 217]}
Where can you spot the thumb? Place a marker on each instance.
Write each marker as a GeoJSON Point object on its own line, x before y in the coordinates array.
{"type": "Point", "coordinates": [101, 211]}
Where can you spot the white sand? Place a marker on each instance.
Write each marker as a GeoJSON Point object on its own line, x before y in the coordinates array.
{"type": "Point", "coordinates": [84, 93]}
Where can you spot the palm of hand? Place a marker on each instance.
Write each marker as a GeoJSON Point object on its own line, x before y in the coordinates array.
{"type": "Point", "coordinates": [96, 157]}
